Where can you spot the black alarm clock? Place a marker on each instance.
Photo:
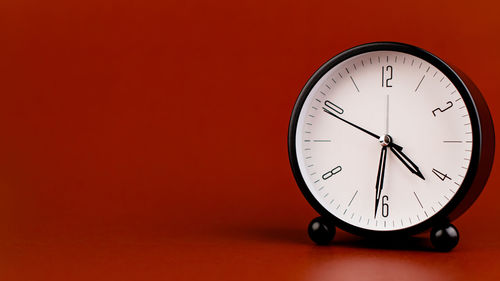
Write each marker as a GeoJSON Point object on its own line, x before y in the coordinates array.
{"type": "Point", "coordinates": [387, 140]}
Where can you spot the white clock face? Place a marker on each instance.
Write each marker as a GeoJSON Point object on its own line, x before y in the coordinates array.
{"type": "Point", "coordinates": [341, 159]}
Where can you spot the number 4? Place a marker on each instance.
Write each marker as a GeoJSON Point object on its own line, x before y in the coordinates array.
{"type": "Point", "coordinates": [440, 175]}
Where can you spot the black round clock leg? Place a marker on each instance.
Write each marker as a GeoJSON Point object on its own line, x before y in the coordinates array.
{"type": "Point", "coordinates": [321, 231]}
{"type": "Point", "coordinates": [444, 238]}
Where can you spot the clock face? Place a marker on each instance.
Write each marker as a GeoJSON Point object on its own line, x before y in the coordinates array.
{"type": "Point", "coordinates": [383, 140]}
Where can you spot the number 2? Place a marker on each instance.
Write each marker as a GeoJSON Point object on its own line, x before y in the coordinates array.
{"type": "Point", "coordinates": [449, 103]}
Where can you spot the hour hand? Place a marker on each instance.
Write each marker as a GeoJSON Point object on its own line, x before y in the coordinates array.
{"type": "Point", "coordinates": [398, 151]}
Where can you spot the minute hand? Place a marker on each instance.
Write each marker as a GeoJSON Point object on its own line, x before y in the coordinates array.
{"type": "Point", "coordinates": [354, 125]}
{"type": "Point", "coordinates": [359, 128]}
{"type": "Point", "coordinates": [398, 151]}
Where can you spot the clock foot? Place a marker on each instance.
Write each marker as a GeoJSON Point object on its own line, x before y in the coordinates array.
{"type": "Point", "coordinates": [444, 238]}
{"type": "Point", "coordinates": [321, 231]}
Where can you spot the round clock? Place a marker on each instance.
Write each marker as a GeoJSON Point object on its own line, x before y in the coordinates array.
{"type": "Point", "coordinates": [386, 140]}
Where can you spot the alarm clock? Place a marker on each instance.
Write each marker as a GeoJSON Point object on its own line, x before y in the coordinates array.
{"type": "Point", "coordinates": [387, 140]}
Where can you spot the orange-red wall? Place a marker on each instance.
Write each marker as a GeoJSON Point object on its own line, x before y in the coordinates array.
{"type": "Point", "coordinates": [175, 113]}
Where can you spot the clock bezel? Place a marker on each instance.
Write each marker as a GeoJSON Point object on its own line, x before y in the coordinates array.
{"type": "Point", "coordinates": [454, 207]}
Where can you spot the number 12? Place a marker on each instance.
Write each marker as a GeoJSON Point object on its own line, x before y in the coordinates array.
{"type": "Point", "coordinates": [389, 70]}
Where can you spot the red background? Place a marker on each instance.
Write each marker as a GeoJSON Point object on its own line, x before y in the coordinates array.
{"type": "Point", "coordinates": [147, 140]}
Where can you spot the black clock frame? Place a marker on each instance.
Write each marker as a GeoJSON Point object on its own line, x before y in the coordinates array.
{"type": "Point", "coordinates": [482, 148]}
